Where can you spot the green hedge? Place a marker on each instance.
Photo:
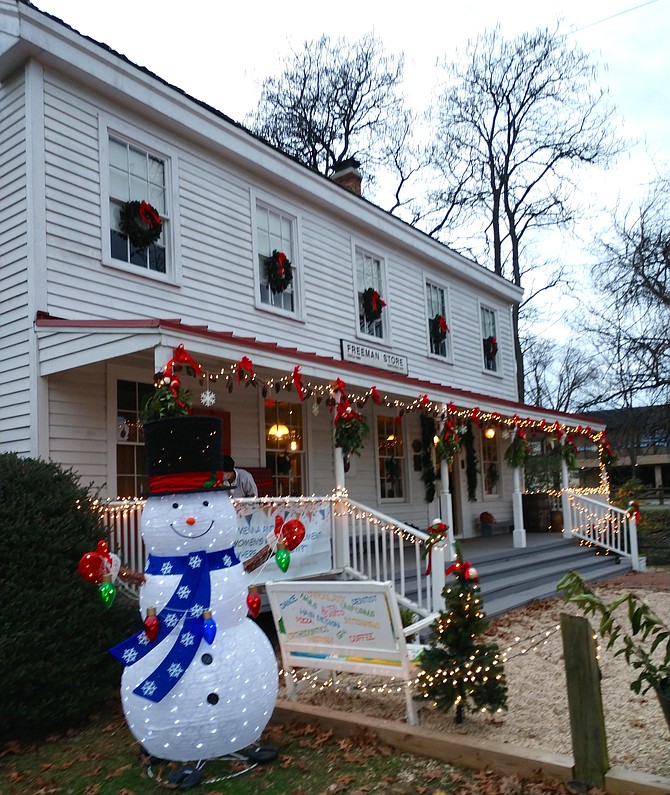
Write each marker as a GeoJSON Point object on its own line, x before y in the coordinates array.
{"type": "Point", "coordinates": [54, 632]}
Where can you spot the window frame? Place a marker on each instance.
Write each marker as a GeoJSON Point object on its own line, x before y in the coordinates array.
{"type": "Point", "coordinates": [291, 213]}
{"type": "Point", "coordinates": [404, 475]}
{"type": "Point", "coordinates": [301, 453]}
{"type": "Point", "coordinates": [382, 289]}
{"type": "Point", "coordinates": [116, 128]}
{"type": "Point", "coordinates": [429, 282]}
{"type": "Point", "coordinates": [483, 442]}
{"type": "Point", "coordinates": [497, 371]}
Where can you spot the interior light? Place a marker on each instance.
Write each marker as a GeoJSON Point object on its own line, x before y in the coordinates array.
{"type": "Point", "coordinates": [294, 445]}
{"type": "Point", "coordinates": [490, 432]}
{"type": "Point", "coordinates": [278, 431]}
{"type": "Point", "coordinates": [436, 440]}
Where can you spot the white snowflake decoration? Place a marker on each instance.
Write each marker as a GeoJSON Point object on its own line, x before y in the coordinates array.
{"type": "Point", "coordinates": [315, 409]}
{"type": "Point", "coordinates": [208, 398]}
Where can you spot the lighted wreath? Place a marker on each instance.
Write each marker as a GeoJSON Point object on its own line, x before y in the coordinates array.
{"type": "Point", "coordinates": [490, 348]}
{"type": "Point", "coordinates": [607, 454]}
{"type": "Point", "coordinates": [438, 330]}
{"type": "Point", "coordinates": [517, 453]}
{"type": "Point", "coordinates": [449, 442]}
{"type": "Point", "coordinates": [278, 271]}
{"type": "Point", "coordinates": [372, 304]}
{"type": "Point", "coordinates": [141, 223]}
{"type": "Point", "coordinates": [569, 451]}
{"type": "Point", "coordinates": [351, 429]}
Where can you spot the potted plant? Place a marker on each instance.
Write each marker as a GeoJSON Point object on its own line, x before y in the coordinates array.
{"type": "Point", "coordinates": [643, 640]}
{"type": "Point", "coordinates": [487, 522]}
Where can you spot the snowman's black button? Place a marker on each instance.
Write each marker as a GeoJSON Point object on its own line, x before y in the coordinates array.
{"type": "Point", "coordinates": [212, 698]}
{"type": "Point", "coordinates": [207, 659]}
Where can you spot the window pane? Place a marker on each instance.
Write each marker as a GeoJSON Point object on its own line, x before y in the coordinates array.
{"type": "Point", "coordinates": [391, 458]}
{"type": "Point", "coordinates": [156, 171]}
{"type": "Point", "coordinates": [490, 466]}
{"type": "Point", "coordinates": [138, 163]}
{"type": "Point", "coordinates": [118, 184]}
{"type": "Point", "coordinates": [118, 154]}
{"type": "Point", "coordinates": [138, 189]}
{"type": "Point", "coordinates": [118, 245]}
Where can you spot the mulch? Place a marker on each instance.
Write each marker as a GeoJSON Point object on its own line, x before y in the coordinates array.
{"type": "Point", "coordinates": [656, 578]}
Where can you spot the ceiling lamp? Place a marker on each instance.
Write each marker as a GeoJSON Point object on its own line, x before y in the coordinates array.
{"type": "Point", "coordinates": [278, 431]}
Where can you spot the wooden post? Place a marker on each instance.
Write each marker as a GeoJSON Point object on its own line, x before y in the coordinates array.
{"type": "Point", "coordinates": [587, 723]}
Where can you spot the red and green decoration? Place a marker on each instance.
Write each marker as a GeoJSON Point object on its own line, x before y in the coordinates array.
{"type": "Point", "coordinates": [351, 430]}
{"type": "Point", "coordinates": [449, 443]}
{"type": "Point", "coordinates": [490, 348]}
{"type": "Point", "coordinates": [278, 271]}
{"type": "Point", "coordinates": [141, 223]}
{"type": "Point", "coordinates": [438, 330]}
{"type": "Point", "coordinates": [169, 398]}
{"type": "Point", "coordinates": [569, 451]}
{"type": "Point", "coordinates": [437, 533]}
{"type": "Point", "coordinates": [459, 669]}
{"type": "Point", "coordinates": [607, 454]}
{"type": "Point", "coordinates": [517, 453]}
{"type": "Point", "coordinates": [372, 304]}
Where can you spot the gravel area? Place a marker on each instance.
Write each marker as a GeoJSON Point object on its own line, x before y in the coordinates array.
{"type": "Point", "coordinates": [637, 735]}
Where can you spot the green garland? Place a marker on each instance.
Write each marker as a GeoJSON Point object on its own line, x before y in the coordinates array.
{"type": "Point", "coordinates": [141, 223]}
{"type": "Point", "coordinates": [428, 473]}
{"type": "Point", "coordinates": [569, 452]}
{"type": "Point", "coordinates": [471, 470]}
{"type": "Point", "coordinates": [278, 271]}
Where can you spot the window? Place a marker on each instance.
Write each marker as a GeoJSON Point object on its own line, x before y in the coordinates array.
{"type": "Point", "coordinates": [369, 277]}
{"type": "Point", "coordinates": [136, 175]}
{"type": "Point", "coordinates": [284, 451]}
{"type": "Point", "coordinates": [275, 232]}
{"type": "Point", "coordinates": [490, 466]}
{"type": "Point", "coordinates": [439, 336]}
{"type": "Point", "coordinates": [130, 464]}
{"type": "Point", "coordinates": [489, 339]}
{"type": "Point", "coordinates": [391, 458]}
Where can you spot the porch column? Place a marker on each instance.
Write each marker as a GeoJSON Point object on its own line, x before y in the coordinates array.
{"type": "Point", "coordinates": [162, 355]}
{"type": "Point", "coordinates": [519, 534]}
{"type": "Point", "coordinates": [447, 507]}
{"type": "Point", "coordinates": [340, 518]}
{"type": "Point", "coordinates": [565, 500]}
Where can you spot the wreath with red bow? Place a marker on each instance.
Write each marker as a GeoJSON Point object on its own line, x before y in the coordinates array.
{"type": "Point", "coordinates": [372, 304]}
{"type": "Point", "coordinates": [141, 223]}
{"type": "Point", "coordinates": [490, 348]}
{"type": "Point", "coordinates": [438, 330]}
{"type": "Point", "coordinates": [278, 271]}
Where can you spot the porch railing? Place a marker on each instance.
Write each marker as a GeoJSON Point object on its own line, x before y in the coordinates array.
{"type": "Point", "coordinates": [605, 526]}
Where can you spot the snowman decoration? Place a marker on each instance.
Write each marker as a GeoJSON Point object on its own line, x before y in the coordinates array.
{"type": "Point", "coordinates": [200, 680]}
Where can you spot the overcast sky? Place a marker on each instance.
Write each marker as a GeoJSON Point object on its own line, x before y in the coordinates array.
{"type": "Point", "coordinates": [220, 52]}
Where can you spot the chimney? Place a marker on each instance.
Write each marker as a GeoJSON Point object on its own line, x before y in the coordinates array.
{"type": "Point", "coordinates": [348, 176]}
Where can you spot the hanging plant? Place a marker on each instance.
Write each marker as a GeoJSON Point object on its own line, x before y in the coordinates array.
{"type": "Point", "coordinates": [278, 271]}
{"type": "Point", "coordinates": [490, 348]}
{"type": "Point", "coordinates": [450, 442]}
{"type": "Point", "coordinates": [607, 454]}
{"type": "Point", "coordinates": [438, 330]}
{"type": "Point", "coordinates": [470, 462]}
{"type": "Point", "coordinates": [141, 223]}
{"type": "Point", "coordinates": [372, 304]}
{"type": "Point", "coordinates": [569, 451]}
{"type": "Point", "coordinates": [517, 453]}
{"type": "Point", "coordinates": [351, 430]}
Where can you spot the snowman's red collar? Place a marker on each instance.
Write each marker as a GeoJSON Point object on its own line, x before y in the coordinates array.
{"type": "Point", "coordinates": [187, 481]}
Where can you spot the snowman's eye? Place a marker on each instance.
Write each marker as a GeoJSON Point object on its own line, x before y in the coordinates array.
{"type": "Point", "coordinates": [175, 505]}
{"type": "Point", "coordinates": [205, 503]}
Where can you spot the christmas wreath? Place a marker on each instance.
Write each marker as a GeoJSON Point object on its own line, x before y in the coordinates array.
{"type": "Point", "coordinates": [569, 451]}
{"type": "Point", "coordinates": [490, 348]}
{"type": "Point", "coordinates": [438, 330]}
{"type": "Point", "coordinates": [351, 429]}
{"type": "Point", "coordinates": [372, 304]}
{"type": "Point", "coordinates": [517, 453]}
{"type": "Point", "coordinates": [141, 223]}
{"type": "Point", "coordinates": [449, 443]}
{"type": "Point", "coordinates": [278, 271]}
{"type": "Point", "coordinates": [607, 454]}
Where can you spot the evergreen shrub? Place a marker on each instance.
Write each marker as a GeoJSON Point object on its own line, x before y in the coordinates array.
{"type": "Point", "coordinates": [54, 631]}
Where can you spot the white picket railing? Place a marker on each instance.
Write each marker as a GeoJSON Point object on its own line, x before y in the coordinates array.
{"type": "Point", "coordinates": [606, 526]}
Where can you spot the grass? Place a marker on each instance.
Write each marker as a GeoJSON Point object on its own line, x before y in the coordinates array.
{"type": "Point", "coordinates": [104, 759]}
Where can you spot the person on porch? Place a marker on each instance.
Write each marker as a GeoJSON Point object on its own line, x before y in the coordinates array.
{"type": "Point", "coordinates": [241, 482]}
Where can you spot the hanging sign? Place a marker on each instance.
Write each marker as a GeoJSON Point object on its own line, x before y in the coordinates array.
{"type": "Point", "coordinates": [364, 354]}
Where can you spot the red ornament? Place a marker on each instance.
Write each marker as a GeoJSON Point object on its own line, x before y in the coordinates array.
{"type": "Point", "coordinates": [254, 602]}
{"type": "Point", "coordinates": [292, 533]}
{"type": "Point", "coordinates": [91, 567]}
{"type": "Point", "coordinates": [151, 624]}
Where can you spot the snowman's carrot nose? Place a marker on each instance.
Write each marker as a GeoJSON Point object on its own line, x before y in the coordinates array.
{"type": "Point", "coordinates": [190, 520]}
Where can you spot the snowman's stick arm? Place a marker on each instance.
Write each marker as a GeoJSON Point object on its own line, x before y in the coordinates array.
{"type": "Point", "coordinates": [131, 576]}
{"type": "Point", "coordinates": [258, 559]}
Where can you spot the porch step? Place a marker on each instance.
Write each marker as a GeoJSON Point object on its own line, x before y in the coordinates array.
{"type": "Point", "coordinates": [515, 577]}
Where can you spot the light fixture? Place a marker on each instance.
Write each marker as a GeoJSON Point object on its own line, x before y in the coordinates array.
{"type": "Point", "coordinates": [278, 431]}
{"type": "Point", "coordinates": [490, 432]}
{"type": "Point", "coordinates": [436, 440]}
{"type": "Point", "coordinates": [294, 445]}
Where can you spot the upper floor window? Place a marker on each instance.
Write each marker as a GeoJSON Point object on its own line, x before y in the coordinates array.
{"type": "Point", "coordinates": [370, 286]}
{"type": "Point", "coordinates": [391, 454]}
{"type": "Point", "coordinates": [137, 175]}
{"type": "Point", "coordinates": [276, 249]}
{"type": "Point", "coordinates": [489, 339]}
{"type": "Point", "coordinates": [439, 335]}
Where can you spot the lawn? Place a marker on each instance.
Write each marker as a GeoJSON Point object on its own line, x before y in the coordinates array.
{"type": "Point", "coordinates": [104, 759]}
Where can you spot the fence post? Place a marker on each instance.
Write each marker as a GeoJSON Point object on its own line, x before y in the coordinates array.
{"type": "Point", "coordinates": [587, 722]}
{"type": "Point", "coordinates": [632, 541]}
{"type": "Point", "coordinates": [341, 545]}
{"type": "Point", "coordinates": [519, 534]}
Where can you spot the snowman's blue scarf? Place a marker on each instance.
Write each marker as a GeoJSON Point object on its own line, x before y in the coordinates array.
{"type": "Point", "coordinates": [190, 598]}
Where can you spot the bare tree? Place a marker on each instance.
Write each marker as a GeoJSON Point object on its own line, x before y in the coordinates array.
{"type": "Point", "coordinates": [511, 128]}
{"type": "Point", "coordinates": [337, 100]}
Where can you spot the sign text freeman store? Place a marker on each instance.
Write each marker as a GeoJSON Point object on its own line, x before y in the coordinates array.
{"type": "Point", "coordinates": [363, 354]}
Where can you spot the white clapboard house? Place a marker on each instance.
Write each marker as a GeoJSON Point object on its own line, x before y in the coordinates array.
{"type": "Point", "coordinates": [87, 318]}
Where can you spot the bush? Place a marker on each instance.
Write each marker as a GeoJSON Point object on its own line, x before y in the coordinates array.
{"type": "Point", "coordinates": [628, 491]}
{"type": "Point", "coordinates": [54, 631]}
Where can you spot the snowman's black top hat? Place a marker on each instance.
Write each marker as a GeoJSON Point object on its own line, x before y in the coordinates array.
{"type": "Point", "coordinates": [184, 454]}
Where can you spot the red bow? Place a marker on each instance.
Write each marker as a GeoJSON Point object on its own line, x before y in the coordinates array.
{"type": "Point", "coordinates": [281, 259]}
{"type": "Point", "coordinates": [475, 415]}
{"type": "Point", "coordinates": [423, 400]}
{"type": "Point", "coordinates": [377, 303]}
{"type": "Point", "coordinates": [150, 217]}
{"type": "Point", "coordinates": [340, 386]}
{"type": "Point", "coordinates": [374, 394]}
{"type": "Point", "coordinates": [457, 567]}
{"type": "Point", "coordinates": [181, 356]}
{"type": "Point", "coordinates": [451, 407]}
{"type": "Point", "coordinates": [438, 532]}
{"type": "Point", "coordinates": [442, 324]}
{"type": "Point", "coordinates": [297, 382]}
{"type": "Point", "coordinates": [245, 365]}
{"type": "Point", "coordinates": [345, 409]}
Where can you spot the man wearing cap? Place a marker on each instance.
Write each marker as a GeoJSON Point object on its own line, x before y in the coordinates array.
{"type": "Point", "coordinates": [240, 481]}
